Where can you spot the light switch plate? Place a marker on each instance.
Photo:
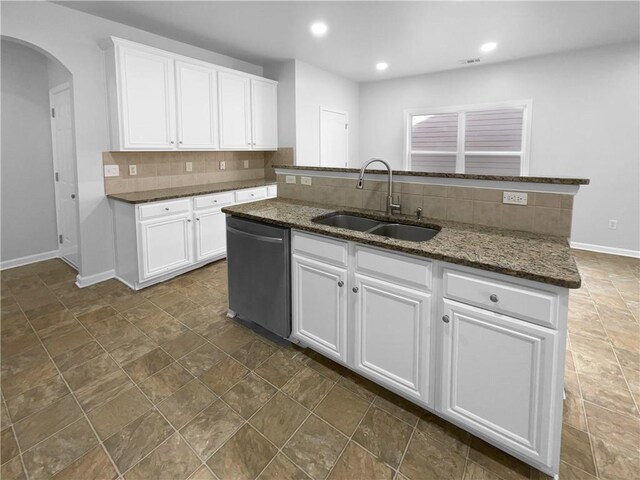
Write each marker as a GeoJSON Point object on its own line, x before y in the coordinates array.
{"type": "Point", "coordinates": [133, 170]}
{"type": "Point", "coordinates": [305, 180]}
{"type": "Point", "coordinates": [223, 165]}
{"type": "Point", "coordinates": [188, 166]}
{"type": "Point", "coordinates": [246, 164]}
{"type": "Point", "coordinates": [514, 198]}
{"type": "Point", "coordinates": [111, 171]}
{"type": "Point", "coordinates": [291, 179]}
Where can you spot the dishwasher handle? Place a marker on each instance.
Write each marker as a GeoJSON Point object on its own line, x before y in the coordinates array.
{"type": "Point", "coordinates": [253, 235]}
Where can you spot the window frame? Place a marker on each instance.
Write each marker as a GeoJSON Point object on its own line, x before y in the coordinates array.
{"type": "Point", "coordinates": [460, 152]}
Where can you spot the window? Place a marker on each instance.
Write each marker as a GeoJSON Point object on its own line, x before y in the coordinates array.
{"type": "Point", "coordinates": [488, 139]}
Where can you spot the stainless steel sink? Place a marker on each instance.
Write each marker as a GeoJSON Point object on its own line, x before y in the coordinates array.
{"type": "Point", "coordinates": [351, 222]}
{"type": "Point", "coordinates": [399, 231]}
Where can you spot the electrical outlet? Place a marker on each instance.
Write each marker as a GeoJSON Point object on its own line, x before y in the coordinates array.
{"type": "Point", "coordinates": [305, 180]}
{"type": "Point", "coordinates": [188, 166]}
{"type": "Point", "coordinates": [514, 198]}
{"type": "Point", "coordinates": [613, 224]}
{"type": "Point", "coordinates": [133, 170]}
{"type": "Point", "coordinates": [223, 165]}
{"type": "Point", "coordinates": [111, 171]}
{"type": "Point", "coordinates": [291, 179]}
{"type": "Point", "coordinates": [246, 164]}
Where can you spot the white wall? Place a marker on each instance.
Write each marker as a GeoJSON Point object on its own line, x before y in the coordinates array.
{"type": "Point", "coordinates": [585, 123]}
{"type": "Point", "coordinates": [73, 38]}
{"type": "Point", "coordinates": [317, 88]}
{"type": "Point", "coordinates": [285, 74]}
{"type": "Point", "coordinates": [28, 215]}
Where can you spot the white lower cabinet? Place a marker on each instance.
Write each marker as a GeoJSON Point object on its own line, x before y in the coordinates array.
{"type": "Point", "coordinates": [320, 305]}
{"type": "Point", "coordinates": [211, 235]}
{"type": "Point", "coordinates": [497, 377]}
{"type": "Point", "coordinates": [392, 335]}
{"type": "Point", "coordinates": [165, 245]}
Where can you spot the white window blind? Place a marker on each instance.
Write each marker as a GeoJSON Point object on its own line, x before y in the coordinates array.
{"type": "Point", "coordinates": [480, 139]}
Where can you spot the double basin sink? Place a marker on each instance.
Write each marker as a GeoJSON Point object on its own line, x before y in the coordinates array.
{"type": "Point", "coordinates": [398, 231]}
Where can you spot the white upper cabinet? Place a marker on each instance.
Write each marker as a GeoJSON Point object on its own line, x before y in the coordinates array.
{"type": "Point", "coordinates": [197, 97]}
{"type": "Point", "coordinates": [146, 103]}
{"type": "Point", "coordinates": [163, 101]}
{"type": "Point", "coordinates": [264, 114]}
{"type": "Point", "coordinates": [235, 112]}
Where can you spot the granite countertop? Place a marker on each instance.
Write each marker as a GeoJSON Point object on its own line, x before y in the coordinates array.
{"type": "Point", "coordinates": [500, 178]}
{"type": "Point", "coordinates": [178, 192]}
{"type": "Point", "coordinates": [535, 257]}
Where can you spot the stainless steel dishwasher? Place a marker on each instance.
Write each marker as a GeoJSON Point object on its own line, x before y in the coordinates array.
{"type": "Point", "coordinates": [259, 274]}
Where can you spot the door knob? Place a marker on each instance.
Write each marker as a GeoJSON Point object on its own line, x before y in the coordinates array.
{"type": "Point", "coordinates": [73, 195]}
{"type": "Point", "coordinates": [355, 289]}
{"type": "Point", "coordinates": [445, 319]}
{"type": "Point", "coordinates": [340, 283]}
{"type": "Point", "coordinates": [493, 298]}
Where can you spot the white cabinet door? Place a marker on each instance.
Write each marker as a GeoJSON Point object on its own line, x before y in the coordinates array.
{"type": "Point", "coordinates": [264, 115]}
{"type": "Point", "coordinates": [498, 378]}
{"type": "Point", "coordinates": [197, 97]}
{"type": "Point", "coordinates": [211, 234]}
{"type": "Point", "coordinates": [319, 296]}
{"type": "Point", "coordinates": [392, 336]}
{"type": "Point", "coordinates": [165, 245]}
{"type": "Point", "coordinates": [146, 100]}
{"type": "Point", "coordinates": [235, 113]}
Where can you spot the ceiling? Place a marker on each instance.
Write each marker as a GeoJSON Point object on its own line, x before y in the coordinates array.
{"type": "Point", "coordinates": [412, 37]}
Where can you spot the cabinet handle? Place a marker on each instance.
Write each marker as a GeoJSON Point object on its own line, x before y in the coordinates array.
{"type": "Point", "coordinates": [340, 283]}
{"type": "Point", "coordinates": [172, 142]}
{"type": "Point", "coordinates": [197, 219]}
{"type": "Point", "coordinates": [180, 142]}
{"type": "Point", "coordinates": [445, 318]}
{"type": "Point", "coordinates": [493, 298]}
{"type": "Point", "coordinates": [166, 208]}
{"type": "Point", "coordinates": [355, 289]}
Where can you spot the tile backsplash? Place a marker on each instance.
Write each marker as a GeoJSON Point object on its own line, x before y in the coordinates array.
{"type": "Point", "coordinates": [545, 213]}
{"type": "Point", "coordinates": [169, 169]}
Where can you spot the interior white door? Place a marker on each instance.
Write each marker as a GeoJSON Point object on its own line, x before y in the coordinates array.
{"type": "Point", "coordinates": [319, 300]}
{"type": "Point", "coordinates": [197, 93]}
{"type": "Point", "coordinates": [211, 234]}
{"type": "Point", "coordinates": [264, 115]}
{"type": "Point", "coordinates": [392, 332]}
{"type": "Point", "coordinates": [147, 100]}
{"type": "Point", "coordinates": [165, 245]}
{"type": "Point", "coordinates": [65, 173]}
{"type": "Point", "coordinates": [235, 113]}
{"type": "Point", "coordinates": [494, 372]}
{"type": "Point", "coordinates": [334, 138]}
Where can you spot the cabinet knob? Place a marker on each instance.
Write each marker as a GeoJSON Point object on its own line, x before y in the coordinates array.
{"type": "Point", "coordinates": [180, 142]}
{"type": "Point", "coordinates": [189, 220]}
{"type": "Point", "coordinates": [340, 283]}
{"type": "Point", "coordinates": [493, 298]}
{"type": "Point", "coordinates": [355, 289]}
{"type": "Point", "coordinates": [166, 208]}
{"type": "Point", "coordinates": [198, 219]}
{"type": "Point", "coordinates": [445, 318]}
{"type": "Point", "coordinates": [172, 142]}
{"type": "Point", "coordinates": [73, 196]}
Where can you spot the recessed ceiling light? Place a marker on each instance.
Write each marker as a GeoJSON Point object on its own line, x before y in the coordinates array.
{"type": "Point", "coordinates": [489, 47]}
{"type": "Point", "coordinates": [319, 29]}
{"type": "Point", "coordinates": [380, 66]}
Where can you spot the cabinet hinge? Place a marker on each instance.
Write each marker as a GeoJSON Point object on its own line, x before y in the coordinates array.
{"type": "Point", "coordinates": [60, 239]}
{"type": "Point", "coordinates": [53, 113]}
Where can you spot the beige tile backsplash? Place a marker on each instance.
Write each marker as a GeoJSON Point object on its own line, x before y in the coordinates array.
{"type": "Point", "coordinates": [168, 169]}
{"type": "Point", "coordinates": [545, 213]}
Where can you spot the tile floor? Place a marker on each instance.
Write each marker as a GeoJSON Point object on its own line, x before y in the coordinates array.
{"type": "Point", "coordinates": [105, 383]}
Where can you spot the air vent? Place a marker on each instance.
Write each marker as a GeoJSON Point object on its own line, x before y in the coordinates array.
{"type": "Point", "coordinates": [469, 61]}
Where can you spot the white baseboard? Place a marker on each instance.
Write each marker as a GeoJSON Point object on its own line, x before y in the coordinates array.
{"type": "Point", "coordinates": [38, 257]}
{"type": "Point", "coordinates": [602, 249]}
{"type": "Point", "coordinates": [82, 282]}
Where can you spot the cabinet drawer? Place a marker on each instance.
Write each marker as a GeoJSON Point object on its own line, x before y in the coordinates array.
{"type": "Point", "coordinates": [163, 208]}
{"type": "Point", "coordinates": [537, 306]}
{"type": "Point", "coordinates": [251, 194]}
{"type": "Point", "coordinates": [272, 191]}
{"type": "Point", "coordinates": [217, 200]}
{"type": "Point", "coordinates": [400, 269]}
{"type": "Point", "coordinates": [322, 248]}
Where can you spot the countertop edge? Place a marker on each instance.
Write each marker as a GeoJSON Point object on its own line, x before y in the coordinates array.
{"type": "Point", "coordinates": [500, 178]}
{"type": "Point", "coordinates": [558, 282]}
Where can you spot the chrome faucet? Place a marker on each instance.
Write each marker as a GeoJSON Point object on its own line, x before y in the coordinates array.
{"type": "Point", "coordinates": [391, 207]}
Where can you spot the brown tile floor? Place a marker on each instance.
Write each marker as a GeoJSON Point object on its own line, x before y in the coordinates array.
{"type": "Point", "coordinates": [105, 383]}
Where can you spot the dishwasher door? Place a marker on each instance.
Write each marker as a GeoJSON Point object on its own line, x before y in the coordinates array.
{"type": "Point", "coordinates": [259, 274]}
